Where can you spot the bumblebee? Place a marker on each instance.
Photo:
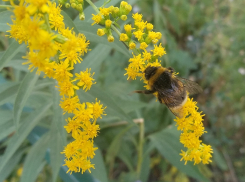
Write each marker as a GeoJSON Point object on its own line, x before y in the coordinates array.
{"type": "Point", "coordinates": [171, 90]}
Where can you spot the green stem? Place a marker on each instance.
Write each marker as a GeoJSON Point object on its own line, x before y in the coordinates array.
{"type": "Point", "coordinates": [140, 149]}
{"type": "Point", "coordinates": [115, 29]}
{"type": "Point", "coordinates": [6, 6]}
{"type": "Point", "coordinates": [47, 22]}
{"type": "Point", "coordinates": [93, 6]}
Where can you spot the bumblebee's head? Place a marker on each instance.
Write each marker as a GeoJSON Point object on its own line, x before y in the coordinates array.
{"type": "Point", "coordinates": [150, 71]}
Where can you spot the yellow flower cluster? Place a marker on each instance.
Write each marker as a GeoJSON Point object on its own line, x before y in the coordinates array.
{"type": "Point", "coordinates": [104, 18]}
{"type": "Point", "coordinates": [192, 129]}
{"type": "Point", "coordinates": [55, 54]}
{"type": "Point", "coordinates": [142, 31]}
{"type": "Point", "coordinates": [191, 124]}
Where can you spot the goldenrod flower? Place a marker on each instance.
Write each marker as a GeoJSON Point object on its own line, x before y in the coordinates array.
{"type": "Point", "coordinates": [143, 45]}
{"type": "Point", "coordinates": [108, 23]}
{"type": "Point", "coordinates": [37, 5]}
{"type": "Point", "coordinates": [123, 37]}
{"type": "Point", "coordinates": [110, 38]}
{"type": "Point", "coordinates": [97, 109]}
{"type": "Point", "coordinates": [55, 18]}
{"type": "Point", "coordinates": [97, 18]}
{"type": "Point", "coordinates": [62, 71]}
{"type": "Point", "coordinates": [73, 126]}
{"type": "Point", "coordinates": [105, 11]}
{"type": "Point", "coordinates": [69, 104]}
{"type": "Point", "coordinates": [137, 17]}
{"type": "Point", "coordinates": [132, 45]}
{"type": "Point", "coordinates": [85, 79]}
{"type": "Point", "coordinates": [66, 88]}
{"type": "Point", "coordinates": [158, 51]}
{"type": "Point", "coordinates": [128, 27]}
{"type": "Point", "coordinates": [138, 34]}
{"type": "Point", "coordinates": [100, 32]}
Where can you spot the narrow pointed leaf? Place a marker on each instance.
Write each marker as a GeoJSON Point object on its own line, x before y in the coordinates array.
{"type": "Point", "coordinates": [7, 94]}
{"type": "Point", "coordinates": [12, 50]}
{"type": "Point", "coordinates": [16, 140]}
{"type": "Point", "coordinates": [58, 136]}
{"type": "Point", "coordinates": [11, 165]}
{"type": "Point", "coordinates": [99, 172]}
{"type": "Point", "coordinates": [23, 94]}
{"type": "Point", "coordinates": [35, 159]}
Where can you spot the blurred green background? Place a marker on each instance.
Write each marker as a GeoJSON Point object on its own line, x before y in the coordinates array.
{"type": "Point", "coordinates": [205, 42]}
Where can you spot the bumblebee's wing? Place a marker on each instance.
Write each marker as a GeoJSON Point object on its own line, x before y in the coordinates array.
{"type": "Point", "coordinates": [190, 86]}
{"type": "Point", "coordinates": [172, 103]}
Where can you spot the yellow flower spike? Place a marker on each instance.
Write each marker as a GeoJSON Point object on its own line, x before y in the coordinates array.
{"type": "Point", "coordinates": [123, 37]}
{"type": "Point", "coordinates": [108, 23]}
{"type": "Point", "coordinates": [110, 38]}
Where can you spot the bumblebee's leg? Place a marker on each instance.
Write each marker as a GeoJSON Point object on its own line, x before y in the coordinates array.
{"type": "Point", "coordinates": [145, 91]}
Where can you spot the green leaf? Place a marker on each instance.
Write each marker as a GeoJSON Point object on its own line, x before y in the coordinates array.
{"type": "Point", "coordinates": [5, 17]}
{"type": "Point", "coordinates": [17, 64]}
{"type": "Point", "coordinates": [57, 136]}
{"type": "Point", "coordinates": [23, 94]}
{"type": "Point", "coordinates": [91, 34]}
{"type": "Point", "coordinates": [219, 159]}
{"type": "Point", "coordinates": [9, 93]}
{"type": "Point", "coordinates": [145, 168]}
{"type": "Point", "coordinates": [107, 100]}
{"type": "Point", "coordinates": [16, 140]}
{"type": "Point", "coordinates": [115, 145]}
{"type": "Point", "coordinates": [100, 171]}
{"type": "Point", "coordinates": [94, 59]}
{"type": "Point", "coordinates": [12, 50]}
{"type": "Point", "coordinates": [6, 128]}
{"type": "Point", "coordinates": [5, 116]}
{"type": "Point", "coordinates": [68, 22]}
{"type": "Point", "coordinates": [167, 143]}
{"type": "Point", "coordinates": [34, 161]}
{"type": "Point", "coordinates": [11, 165]}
